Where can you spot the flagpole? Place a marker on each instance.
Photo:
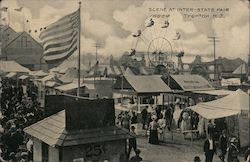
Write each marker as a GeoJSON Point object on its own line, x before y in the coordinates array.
{"type": "Point", "coordinates": [79, 52]}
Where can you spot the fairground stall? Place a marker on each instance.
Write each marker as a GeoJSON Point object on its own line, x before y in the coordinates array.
{"type": "Point", "coordinates": [84, 131]}
{"type": "Point", "coordinates": [234, 108]}
{"type": "Point", "coordinates": [139, 91]}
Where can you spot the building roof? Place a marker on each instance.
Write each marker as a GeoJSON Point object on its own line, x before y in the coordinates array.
{"type": "Point", "coordinates": [12, 66]}
{"type": "Point", "coordinates": [192, 82]}
{"type": "Point", "coordinates": [51, 130]}
{"type": "Point", "coordinates": [147, 83]}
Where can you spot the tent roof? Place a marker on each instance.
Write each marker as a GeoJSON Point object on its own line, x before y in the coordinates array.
{"type": "Point", "coordinates": [11, 74]}
{"type": "Point", "coordinates": [38, 73]}
{"type": "Point", "coordinates": [22, 77]}
{"type": "Point", "coordinates": [217, 92]}
{"type": "Point", "coordinates": [192, 82]}
{"type": "Point", "coordinates": [241, 69]}
{"type": "Point", "coordinates": [232, 104]}
{"type": "Point", "coordinates": [47, 78]}
{"type": "Point", "coordinates": [51, 84]}
{"type": "Point", "coordinates": [12, 66]}
{"type": "Point", "coordinates": [69, 76]}
{"type": "Point", "coordinates": [67, 87]}
{"type": "Point", "coordinates": [128, 71]}
{"type": "Point", "coordinates": [51, 130]}
{"type": "Point", "coordinates": [74, 85]}
{"type": "Point", "coordinates": [147, 83]}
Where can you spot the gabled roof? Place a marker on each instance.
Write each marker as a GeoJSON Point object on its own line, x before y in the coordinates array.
{"type": "Point", "coordinates": [51, 130]}
{"type": "Point", "coordinates": [147, 83]}
{"type": "Point", "coordinates": [192, 82]}
{"type": "Point", "coordinates": [17, 35]}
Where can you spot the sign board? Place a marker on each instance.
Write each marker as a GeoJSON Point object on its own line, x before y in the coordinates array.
{"type": "Point", "coordinates": [88, 114]}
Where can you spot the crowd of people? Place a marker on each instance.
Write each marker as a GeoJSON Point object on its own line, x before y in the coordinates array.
{"type": "Point", "coordinates": [19, 108]}
{"type": "Point", "coordinates": [157, 120]}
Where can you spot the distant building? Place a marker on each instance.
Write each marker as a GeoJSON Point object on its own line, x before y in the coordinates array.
{"type": "Point", "coordinates": [22, 48]}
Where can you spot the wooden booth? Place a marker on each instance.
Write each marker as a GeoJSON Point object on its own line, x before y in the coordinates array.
{"type": "Point", "coordinates": [84, 131]}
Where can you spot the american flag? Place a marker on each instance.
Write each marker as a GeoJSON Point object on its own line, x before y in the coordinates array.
{"type": "Point", "coordinates": [60, 38]}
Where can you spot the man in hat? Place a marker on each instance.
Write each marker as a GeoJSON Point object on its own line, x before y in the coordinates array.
{"type": "Point", "coordinates": [209, 149]}
{"type": "Point", "coordinates": [233, 151]}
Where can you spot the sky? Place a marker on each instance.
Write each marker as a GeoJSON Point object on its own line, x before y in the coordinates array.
{"type": "Point", "coordinates": [111, 23]}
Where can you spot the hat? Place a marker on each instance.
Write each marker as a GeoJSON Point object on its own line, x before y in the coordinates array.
{"type": "Point", "coordinates": [233, 140]}
{"type": "Point", "coordinates": [197, 159]}
{"type": "Point", "coordinates": [24, 154]}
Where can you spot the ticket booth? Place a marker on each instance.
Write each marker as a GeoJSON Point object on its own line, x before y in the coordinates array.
{"type": "Point", "coordinates": [84, 131]}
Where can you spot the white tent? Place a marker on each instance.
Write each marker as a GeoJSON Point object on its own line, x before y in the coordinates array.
{"type": "Point", "coordinates": [12, 66]}
{"type": "Point", "coordinates": [235, 107]}
{"type": "Point", "coordinates": [230, 105]}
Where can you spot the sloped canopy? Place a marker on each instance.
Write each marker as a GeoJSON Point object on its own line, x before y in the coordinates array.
{"type": "Point", "coordinates": [12, 66]}
{"type": "Point", "coordinates": [232, 104]}
{"type": "Point", "coordinates": [216, 92]}
{"type": "Point", "coordinates": [191, 82]}
{"type": "Point", "coordinates": [128, 72]}
{"type": "Point", "coordinates": [38, 73]}
{"type": "Point", "coordinates": [11, 75]}
{"type": "Point", "coordinates": [52, 130]}
{"type": "Point", "coordinates": [147, 83]}
{"type": "Point", "coordinates": [22, 77]}
{"type": "Point", "coordinates": [69, 76]}
{"type": "Point", "coordinates": [241, 69]}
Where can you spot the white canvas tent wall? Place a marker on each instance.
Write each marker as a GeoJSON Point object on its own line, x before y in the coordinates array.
{"type": "Point", "coordinates": [235, 104]}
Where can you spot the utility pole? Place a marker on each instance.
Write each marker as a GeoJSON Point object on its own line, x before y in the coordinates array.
{"type": "Point", "coordinates": [96, 48]}
{"type": "Point", "coordinates": [214, 39]}
{"type": "Point", "coordinates": [96, 58]}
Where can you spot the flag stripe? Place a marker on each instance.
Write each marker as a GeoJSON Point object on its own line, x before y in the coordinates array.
{"type": "Point", "coordinates": [60, 38]}
{"type": "Point", "coordinates": [57, 42]}
{"type": "Point", "coordinates": [60, 56]}
{"type": "Point", "coordinates": [61, 48]}
{"type": "Point", "coordinates": [59, 29]}
{"type": "Point", "coordinates": [61, 22]}
{"type": "Point", "coordinates": [55, 37]}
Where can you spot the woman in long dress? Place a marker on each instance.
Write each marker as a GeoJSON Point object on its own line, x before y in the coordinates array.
{"type": "Point", "coordinates": [176, 115]}
{"type": "Point", "coordinates": [153, 135]}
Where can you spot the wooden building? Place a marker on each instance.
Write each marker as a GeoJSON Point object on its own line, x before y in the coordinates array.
{"type": "Point", "coordinates": [84, 131]}
{"type": "Point", "coordinates": [22, 48]}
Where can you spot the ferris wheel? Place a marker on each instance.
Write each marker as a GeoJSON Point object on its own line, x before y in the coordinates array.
{"type": "Point", "coordinates": [160, 45]}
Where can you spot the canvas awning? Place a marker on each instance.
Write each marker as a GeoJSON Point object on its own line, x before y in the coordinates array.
{"type": "Point", "coordinates": [191, 82]}
{"type": "Point", "coordinates": [51, 84]}
{"type": "Point", "coordinates": [71, 86]}
{"type": "Point", "coordinates": [22, 77]}
{"type": "Point", "coordinates": [147, 83]}
{"type": "Point", "coordinates": [232, 104]}
{"type": "Point", "coordinates": [12, 66]}
{"type": "Point", "coordinates": [216, 92]}
{"type": "Point", "coordinates": [11, 75]}
{"type": "Point", "coordinates": [38, 73]}
{"type": "Point", "coordinates": [47, 78]}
